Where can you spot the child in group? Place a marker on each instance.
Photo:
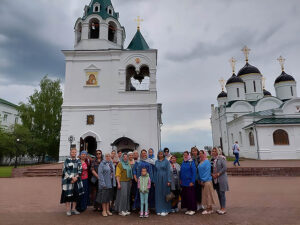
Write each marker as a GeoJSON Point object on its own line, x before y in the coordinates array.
{"type": "Point", "coordinates": [144, 184]}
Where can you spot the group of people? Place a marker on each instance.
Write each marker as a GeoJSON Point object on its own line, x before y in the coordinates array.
{"type": "Point", "coordinates": [126, 182]}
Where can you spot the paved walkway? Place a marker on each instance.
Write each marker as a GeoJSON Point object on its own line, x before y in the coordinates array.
{"type": "Point", "coordinates": [251, 201]}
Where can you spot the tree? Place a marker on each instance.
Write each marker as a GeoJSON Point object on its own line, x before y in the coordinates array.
{"type": "Point", "coordinates": [42, 116]}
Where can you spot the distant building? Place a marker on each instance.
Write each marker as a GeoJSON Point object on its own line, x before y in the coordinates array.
{"type": "Point", "coordinates": [110, 95]}
{"type": "Point", "coordinates": [266, 126]}
{"type": "Point", "coordinates": [9, 114]}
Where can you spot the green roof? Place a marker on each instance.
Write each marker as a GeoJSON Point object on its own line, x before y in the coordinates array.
{"type": "Point", "coordinates": [103, 9]}
{"type": "Point", "coordinates": [273, 120]}
{"type": "Point", "coordinates": [138, 42]}
{"type": "Point", "coordinates": [2, 101]}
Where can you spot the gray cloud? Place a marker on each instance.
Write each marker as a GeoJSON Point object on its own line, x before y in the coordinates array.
{"type": "Point", "coordinates": [194, 38]}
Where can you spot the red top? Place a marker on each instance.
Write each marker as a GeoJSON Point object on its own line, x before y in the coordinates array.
{"type": "Point", "coordinates": [85, 173]}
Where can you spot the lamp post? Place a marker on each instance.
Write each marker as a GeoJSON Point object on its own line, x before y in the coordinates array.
{"type": "Point", "coordinates": [71, 139]}
{"type": "Point", "coordinates": [17, 150]}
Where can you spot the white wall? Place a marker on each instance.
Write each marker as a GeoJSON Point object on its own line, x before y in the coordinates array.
{"type": "Point", "coordinates": [11, 113]}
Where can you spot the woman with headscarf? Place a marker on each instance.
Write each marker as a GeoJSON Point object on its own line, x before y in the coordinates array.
{"type": "Point", "coordinates": [187, 181]}
{"type": "Point", "coordinates": [208, 193]}
{"type": "Point", "coordinates": [151, 153]}
{"type": "Point", "coordinates": [72, 187]}
{"type": "Point", "coordinates": [162, 184]}
{"type": "Point", "coordinates": [175, 183]}
{"type": "Point", "coordinates": [133, 188]}
{"type": "Point", "coordinates": [94, 180]}
{"type": "Point", "coordinates": [147, 163]}
{"type": "Point", "coordinates": [198, 188]}
{"type": "Point", "coordinates": [123, 177]}
{"type": "Point", "coordinates": [85, 198]}
{"type": "Point", "coordinates": [107, 182]}
{"type": "Point", "coordinates": [220, 179]}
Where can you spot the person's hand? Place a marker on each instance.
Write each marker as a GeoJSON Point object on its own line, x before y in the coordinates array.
{"type": "Point", "coordinates": [119, 186]}
{"type": "Point", "coordinates": [75, 180]}
{"type": "Point", "coordinates": [191, 184]}
{"type": "Point", "coordinates": [202, 184]}
{"type": "Point", "coordinates": [169, 184]}
{"type": "Point", "coordinates": [136, 180]}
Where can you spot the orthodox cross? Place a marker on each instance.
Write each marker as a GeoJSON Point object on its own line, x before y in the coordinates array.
{"type": "Point", "coordinates": [246, 51]}
{"type": "Point", "coordinates": [232, 63]}
{"type": "Point", "coordinates": [138, 20]}
{"type": "Point", "coordinates": [281, 61]}
{"type": "Point", "coordinates": [222, 83]}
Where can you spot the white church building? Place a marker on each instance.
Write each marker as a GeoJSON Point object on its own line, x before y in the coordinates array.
{"type": "Point", "coordinates": [110, 96]}
{"type": "Point", "coordinates": [265, 126]}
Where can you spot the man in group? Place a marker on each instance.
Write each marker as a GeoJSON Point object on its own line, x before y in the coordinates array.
{"type": "Point", "coordinates": [236, 152]}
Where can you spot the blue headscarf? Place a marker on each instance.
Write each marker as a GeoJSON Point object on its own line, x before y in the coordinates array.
{"type": "Point", "coordinates": [163, 154]}
{"type": "Point", "coordinates": [83, 152]}
{"type": "Point", "coordinates": [151, 156]}
{"type": "Point", "coordinates": [126, 166]}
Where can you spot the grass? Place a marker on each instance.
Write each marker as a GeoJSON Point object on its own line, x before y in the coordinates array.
{"type": "Point", "coordinates": [5, 171]}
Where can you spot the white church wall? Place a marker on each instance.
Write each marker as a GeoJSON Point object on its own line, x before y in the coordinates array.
{"type": "Point", "coordinates": [111, 123]}
{"type": "Point", "coordinates": [283, 90]}
{"type": "Point", "coordinates": [270, 151]}
{"type": "Point", "coordinates": [268, 103]}
{"type": "Point", "coordinates": [292, 107]}
{"type": "Point", "coordinates": [253, 92]}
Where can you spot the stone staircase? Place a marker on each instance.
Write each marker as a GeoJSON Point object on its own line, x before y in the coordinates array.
{"type": "Point", "coordinates": [264, 171]}
{"type": "Point", "coordinates": [42, 172]}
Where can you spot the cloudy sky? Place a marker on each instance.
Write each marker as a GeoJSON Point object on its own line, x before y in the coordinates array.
{"type": "Point", "coordinates": [195, 40]}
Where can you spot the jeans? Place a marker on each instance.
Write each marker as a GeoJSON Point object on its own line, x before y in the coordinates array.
{"type": "Point", "coordinates": [144, 201]}
{"type": "Point", "coordinates": [237, 157]}
{"type": "Point", "coordinates": [221, 196]}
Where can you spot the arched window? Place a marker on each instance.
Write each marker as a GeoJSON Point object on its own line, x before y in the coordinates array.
{"type": "Point", "coordinates": [78, 32]}
{"type": "Point", "coordinates": [94, 28]}
{"type": "Point", "coordinates": [137, 81]}
{"type": "Point", "coordinates": [238, 92]}
{"type": "Point", "coordinates": [97, 7]}
{"type": "Point", "coordinates": [112, 32]}
{"type": "Point", "coordinates": [251, 139]}
{"type": "Point", "coordinates": [280, 137]}
{"type": "Point", "coordinates": [292, 93]}
{"type": "Point", "coordinates": [245, 87]}
{"type": "Point", "coordinates": [254, 86]}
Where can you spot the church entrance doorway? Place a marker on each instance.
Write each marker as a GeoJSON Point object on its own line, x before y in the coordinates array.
{"type": "Point", "coordinates": [89, 145]}
{"type": "Point", "coordinates": [124, 144]}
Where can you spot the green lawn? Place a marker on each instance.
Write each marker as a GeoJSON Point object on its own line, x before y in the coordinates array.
{"type": "Point", "coordinates": [5, 171]}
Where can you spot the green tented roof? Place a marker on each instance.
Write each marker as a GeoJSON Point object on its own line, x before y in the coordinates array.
{"type": "Point", "coordinates": [103, 9]}
{"type": "Point", "coordinates": [138, 42]}
{"type": "Point", "coordinates": [2, 101]}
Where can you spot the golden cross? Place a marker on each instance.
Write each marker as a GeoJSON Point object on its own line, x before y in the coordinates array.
{"type": "Point", "coordinates": [138, 20]}
{"type": "Point", "coordinates": [232, 63]}
{"type": "Point", "coordinates": [246, 51]}
{"type": "Point", "coordinates": [222, 83]}
{"type": "Point", "coordinates": [281, 61]}
{"type": "Point", "coordinates": [263, 80]}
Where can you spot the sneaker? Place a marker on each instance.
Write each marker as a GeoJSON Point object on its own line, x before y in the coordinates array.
{"type": "Point", "coordinates": [176, 210]}
{"type": "Point", "coordinates": [69, 213]}
{"type": "Point", "coordinates": [75, 212]}
{"type": "Point", "coordinates": [128, 213]}
{"type": "Point", "coordinates": [109, 213]}
{"type": "Point", "coordinates": [221, 212]}
{"type": "Point", "coordinates": [146, 215]}
{"type": "Point", "coordinates": [173, 211]}
{"type": "Point", "coordinates": [192, 213]}
{"type": "Point", "coordinates": [187, 212]}
{"type": "Point", "coordinates": [158, 214]}
{"type": "Point", "coordinates": [207, 212]}
{"type": "Point", "coordinates": [164, 214]}
{"type": "Point", "coordinates": [122, 213]}
{"type": "Point", "coordinates": [141, 214]}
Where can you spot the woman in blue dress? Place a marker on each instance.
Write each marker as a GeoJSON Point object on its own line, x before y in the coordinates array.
{"type": "Point", "coordinates": [147, 163]}
{"type": "Point", "coordinates": [162, 185]}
